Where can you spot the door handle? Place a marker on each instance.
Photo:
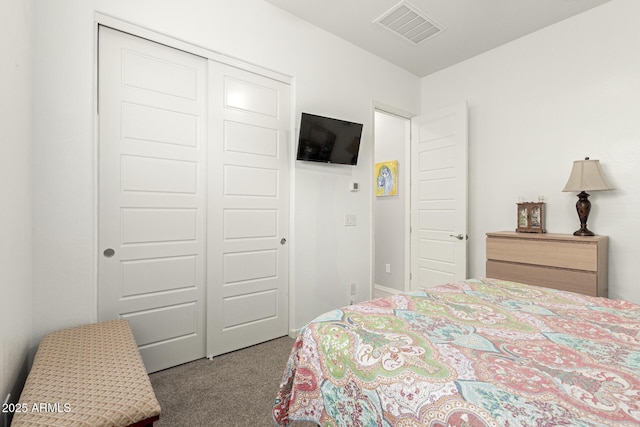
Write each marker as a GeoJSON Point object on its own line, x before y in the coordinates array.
{"type": "Point", "coordinates": [458, 236]}
{"type": "Point", "coordinates": [283, 241]}
{"type": "Point", "coordinates": [108, 253]}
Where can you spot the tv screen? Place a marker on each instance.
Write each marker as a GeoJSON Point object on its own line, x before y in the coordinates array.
{"type": "Point", "coordinates": [327, 140]}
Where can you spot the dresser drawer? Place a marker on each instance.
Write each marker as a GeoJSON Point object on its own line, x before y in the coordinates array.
{"type": "Point", "coordinates": [550, 253]}
{"type": "Point", "coordinates": [559, 261]}
{"type": "Point", "coordinates": [579, 281]}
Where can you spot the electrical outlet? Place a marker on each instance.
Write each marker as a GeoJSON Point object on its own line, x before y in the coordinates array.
{"type": "Point", "coordinates": [353, 289]}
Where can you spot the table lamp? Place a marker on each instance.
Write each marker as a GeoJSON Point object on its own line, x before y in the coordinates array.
{"type": "Point", "coordinates": [586, 175]}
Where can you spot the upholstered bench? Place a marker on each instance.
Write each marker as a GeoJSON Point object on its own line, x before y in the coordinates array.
{"type": "Point", "coordinates": [90, 375]}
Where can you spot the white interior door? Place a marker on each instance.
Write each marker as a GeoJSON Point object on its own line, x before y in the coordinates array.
{"type": "Point", "coordinates": [152, 141]}
{"type": "Point", "coordinates": [439, 197]}
{"type": "Point", "coordinates": [248, 220]}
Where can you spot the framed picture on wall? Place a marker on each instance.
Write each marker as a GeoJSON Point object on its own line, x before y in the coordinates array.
{"type": "Point", "coordinates": [386, 178]}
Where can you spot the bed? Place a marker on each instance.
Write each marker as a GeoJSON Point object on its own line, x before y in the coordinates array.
{"type": "Point", "coordinates": [481, 352]}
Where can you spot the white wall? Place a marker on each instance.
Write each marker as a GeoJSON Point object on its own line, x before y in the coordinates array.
{"type": "Point", "coordinates": [15, 190]}
{"type": "Point", "coordinates": [541, 102]}
{"type": "Point", "coordinates": [392, 135]}
{"type": "Point", "coordinates": [332, 78]}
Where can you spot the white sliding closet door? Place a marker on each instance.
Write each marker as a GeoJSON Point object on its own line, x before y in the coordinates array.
{"type": "Point", "coordinates": [152, 196]}
{"type": "Point", "coordinates": [248, 209]}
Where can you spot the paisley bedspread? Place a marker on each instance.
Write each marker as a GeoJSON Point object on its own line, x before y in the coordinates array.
{"type": "Point", "coordinates": [481, 352]}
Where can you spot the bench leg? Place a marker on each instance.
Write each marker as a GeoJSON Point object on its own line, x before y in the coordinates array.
{"type": "Point", "coordinates": [147, 422]}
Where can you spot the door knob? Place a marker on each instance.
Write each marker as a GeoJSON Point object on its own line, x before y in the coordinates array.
{"type": "Point", "coordinates": [457, 236]}
{"type": "Point", "coordinates": [283, 241]}
{"type": "Point", "coordinates": [109, 253]}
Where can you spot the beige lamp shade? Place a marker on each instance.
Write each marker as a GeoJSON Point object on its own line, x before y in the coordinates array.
{"type": "Point", "coordinates": [587, 175]}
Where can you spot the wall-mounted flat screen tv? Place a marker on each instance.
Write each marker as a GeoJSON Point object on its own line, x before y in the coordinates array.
{"type": "Point", "coordinates": [327, 140]}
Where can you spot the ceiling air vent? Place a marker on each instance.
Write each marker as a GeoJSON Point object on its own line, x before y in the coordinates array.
{"type": "Point", "coordinates": [410, 23]}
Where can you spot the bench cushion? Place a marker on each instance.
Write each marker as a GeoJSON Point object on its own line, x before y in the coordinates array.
{"type": "Point", "coordinates": [89, 375]}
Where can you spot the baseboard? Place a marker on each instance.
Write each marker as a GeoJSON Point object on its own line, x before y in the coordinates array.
{"type": "Point", "coordinates": [293, 333]}
{"type": "Point", "coordinates": [386, 289]}
{"type": "Point", "coordinates": [14, 395]}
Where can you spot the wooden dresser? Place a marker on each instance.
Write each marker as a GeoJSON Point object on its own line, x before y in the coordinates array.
{"type": "Point", "coordinates": [559, 261]}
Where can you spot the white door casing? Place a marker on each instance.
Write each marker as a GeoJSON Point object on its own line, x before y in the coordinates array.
{"type": "Point", "coordinates": [248, 204]}
{"type": "Point", "coordinates": [439, 197]}
{"type": "Point", "coordinates": [152, 163]}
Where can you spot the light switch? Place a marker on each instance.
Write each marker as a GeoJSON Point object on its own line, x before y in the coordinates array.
{"type": "Point", "coordinates": [350, 220]}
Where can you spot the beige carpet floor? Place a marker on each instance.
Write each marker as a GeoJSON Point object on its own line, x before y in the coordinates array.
{"type": "Point", "coordinates": [235, 389]}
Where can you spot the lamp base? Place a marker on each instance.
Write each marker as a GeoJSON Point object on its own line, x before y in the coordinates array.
{"type": "Point", "coordinates": [584, 232]}
{"type": "Point", "coordinates": [583, 206]}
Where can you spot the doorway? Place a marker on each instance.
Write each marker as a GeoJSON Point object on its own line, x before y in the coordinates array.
{"type": "Point", "coordinates": [392, 135]}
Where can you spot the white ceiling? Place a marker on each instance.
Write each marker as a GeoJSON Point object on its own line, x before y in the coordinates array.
{"type": "Point", "coordinates": [471, 26]}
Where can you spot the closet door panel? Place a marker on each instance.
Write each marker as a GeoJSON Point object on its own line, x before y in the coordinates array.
{"type": "Point", "coordinates": [152, 198]}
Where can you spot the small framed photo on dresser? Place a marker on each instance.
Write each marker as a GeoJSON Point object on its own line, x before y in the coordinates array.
{"type": "Point", "coordinates": [530, 217]}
